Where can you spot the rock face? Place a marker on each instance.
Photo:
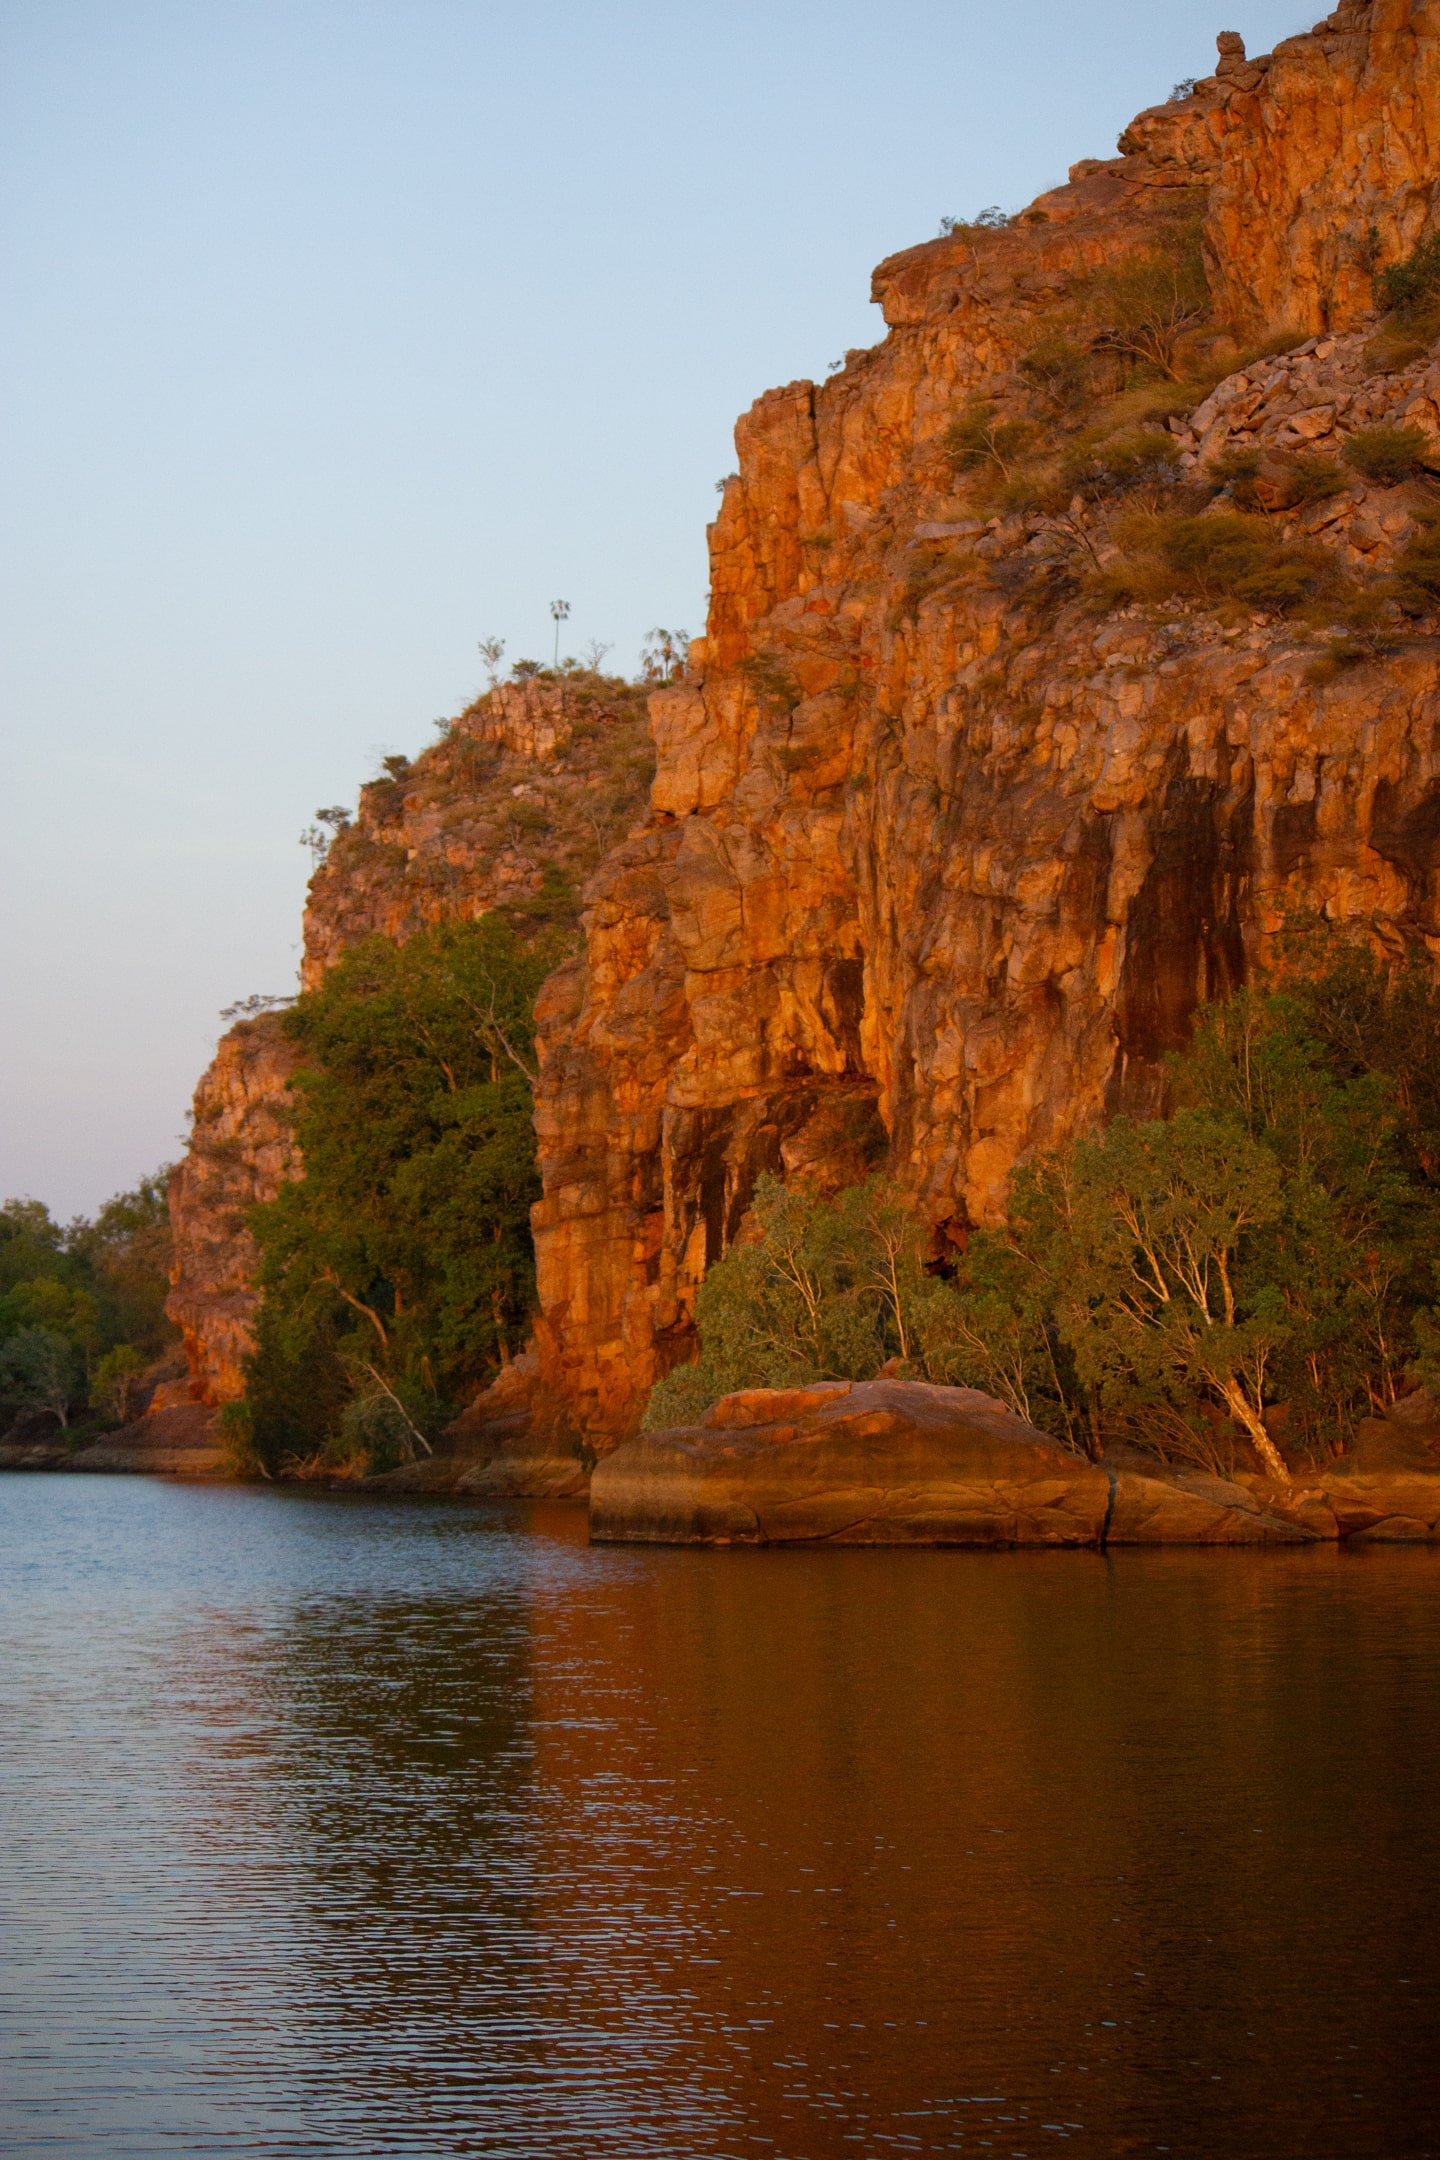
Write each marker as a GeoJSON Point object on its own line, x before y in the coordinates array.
{"type": "Point", "coordinates": [180, 1441]}
{"type": "Point", "coordinates": [880, 1463]}
{"type": "Point", "coordinates": [514, 806]}
{"type": "Point", "coordinates": [240, 1152]}
{"type": "Point", "coordinates": [497, 1449]}
{"type": "Point", "coordinates": [929, 838]}
{"type": "Point", "coordinates": [932, 848]}
{"type": "Point", "coordinates": [902, 1463]}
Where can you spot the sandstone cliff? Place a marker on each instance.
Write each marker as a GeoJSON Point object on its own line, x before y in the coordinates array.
{"type": "Point", "coordinates": [939, 848]}
{"type": "Point", "coordinates": [926, 830]}
{"type": "Point", "coordinates": [513, 806]}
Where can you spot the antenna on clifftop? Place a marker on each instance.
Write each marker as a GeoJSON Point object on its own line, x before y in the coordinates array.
{"type": "Point", "coordinates": [559, 612]}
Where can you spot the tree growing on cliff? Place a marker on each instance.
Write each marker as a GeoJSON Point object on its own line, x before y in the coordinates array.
{"type": "Point", "coordinates": [1149, 301]}
{"type": "Point", "coordinates": [400, 1266]}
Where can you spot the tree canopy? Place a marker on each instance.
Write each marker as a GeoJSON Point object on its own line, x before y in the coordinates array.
{"type": "Point", "coordinates": [398, 1271]}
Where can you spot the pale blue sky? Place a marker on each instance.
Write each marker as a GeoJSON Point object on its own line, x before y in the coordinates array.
{"type": "Point", "coordinates": [343, 333]}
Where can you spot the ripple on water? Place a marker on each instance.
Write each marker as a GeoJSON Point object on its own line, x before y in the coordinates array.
{"type": "Point", "coordinates": [343, 1826]}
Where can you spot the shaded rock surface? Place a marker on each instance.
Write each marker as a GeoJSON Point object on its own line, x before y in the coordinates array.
{"type": "Point", "coordinates": [177, 1442]}
{"type": "Point", "coordinates": [902, 1463]}
{"type": "Point", "coordinates": [497, 1449]}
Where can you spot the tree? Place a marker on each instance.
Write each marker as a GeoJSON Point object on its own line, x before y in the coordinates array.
{"type": "Point", "coordinates": [1147, 1230]}
{"type": "Point", "coordinates": [111, 1381]}
{"type": "Point", "coordinates": [40, 1370]}
{"type": "Point", "coordinates": [663, 656]}
{"type": "Point", "coordinates": [1150, 300]}
{"type": "Point", "coordinates": [400, 1265]}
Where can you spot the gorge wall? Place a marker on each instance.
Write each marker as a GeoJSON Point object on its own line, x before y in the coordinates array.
{"type": "Point", "coordinates": [939, 855]}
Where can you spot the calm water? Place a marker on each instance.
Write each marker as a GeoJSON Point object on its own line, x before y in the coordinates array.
{"type": "Point", "coordinates": [343, 1826]}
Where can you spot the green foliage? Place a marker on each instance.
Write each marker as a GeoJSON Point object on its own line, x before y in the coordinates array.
{"type": "Point", "coordinates": [825, 1290]}
{"type": "Point", "coordinates": [1411, 288]}
{"type": "Point", "coordinates": [400, 1265]}
{"type": "Point", "coordinates": [128, 1249]}
{"type": "Point", "coordinates": [97, 1287]}
{"type": "Point", "coordinates": [1388, 455]}
{"type": "Point", "coordinates": [1097, 465]}
{"type": "Point", "coordinates": [1150, 300]}
{"type": "Point", "coordinates": [1057, 368]}
{"type": "Point", "coordinates": [1222, 555]}
{"type": "Point", "coordinates": [1314, 478]}
{"type": "Point", "coordinates": [1417, 572]}
{"type": "Point", "coordinates": [112, 1379]}
{"type": "Point", "coordinates": [40, 1369]}
{"type": "Point", "coordinates": [1169, 1282]}
{"type": "Point", "coordinates": [979, 439]}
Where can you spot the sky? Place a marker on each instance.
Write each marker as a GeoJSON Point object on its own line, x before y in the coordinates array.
{"type": "Point", "coordinates": [341, 334]}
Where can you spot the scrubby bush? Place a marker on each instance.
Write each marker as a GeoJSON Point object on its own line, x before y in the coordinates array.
{"type": "Point", "coordinates": [980, 439]}
{"type": "Point", "coordinates": [1218, 556]}
{"type": "Point", "coordinates": [1387, 455]}
{"type": "Point", "coordinates": [1057, 368]}
{"type": "Point", "coordinates": [1097, 465]}
{"type": "Point", "coordinates": [1417, 571]}
{"type": "Point", "coordinates": [1150, 301]}
{"type": "Point", "coordinates": [1411, 288]}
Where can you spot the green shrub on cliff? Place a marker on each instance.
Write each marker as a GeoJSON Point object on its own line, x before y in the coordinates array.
{"type": "Point", "coordinates": [399, 1269]}
{"type": "Point", "coordinates": [1388, 455]}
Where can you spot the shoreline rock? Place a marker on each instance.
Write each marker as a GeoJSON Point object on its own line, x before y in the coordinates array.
{"type": "Point", "coordinates": [894, 1462]}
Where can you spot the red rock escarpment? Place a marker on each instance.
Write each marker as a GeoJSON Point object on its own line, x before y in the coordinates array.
{"type": "Point", "coordinates": [534, 776]}
{"type": "Point", "coordinates": [240, 1152]}
{"type": "Point", "coordinates": [926, 835]}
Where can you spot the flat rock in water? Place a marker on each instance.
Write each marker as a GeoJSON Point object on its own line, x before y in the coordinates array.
{"type": "Point", "coordinates": [876, 1462]}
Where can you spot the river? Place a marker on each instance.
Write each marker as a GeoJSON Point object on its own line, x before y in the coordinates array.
{"type": "Point", "coordinates": [349, 1826]}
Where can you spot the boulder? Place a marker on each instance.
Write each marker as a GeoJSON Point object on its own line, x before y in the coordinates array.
{"type": "Point", "coordinates": [1169, 1507]}
{"type": "Point", "coordinates": [877, 1462]}
{"type": "Point", "coordinates": [181, 1441]}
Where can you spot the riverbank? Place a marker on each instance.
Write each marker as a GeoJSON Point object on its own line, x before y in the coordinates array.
{"type": "Point", "coordinates": [864, 1463]}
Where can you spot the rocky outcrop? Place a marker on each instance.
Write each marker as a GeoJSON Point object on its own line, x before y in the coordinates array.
{"type": "Point", "coordinates": [180, 1441]}
{"type": "Point", "coordinates": [938, 856]}
{"type": "Point", "coordinates": [513, 806]}
{"type": "Point", "coordinates": [881, 1463]}
{"type": "Point", "coordinates": [902, 1463]}
{"type": "Point", "coordinates": [497, 1449]}
{"type": "Point", "coordinates": [240, 1152]}
{"type": "Point", "coordinates": [931, 839]}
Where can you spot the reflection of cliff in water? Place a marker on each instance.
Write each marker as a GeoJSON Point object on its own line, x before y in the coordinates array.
{"type": "Point", "coordinates": [816, 1853]}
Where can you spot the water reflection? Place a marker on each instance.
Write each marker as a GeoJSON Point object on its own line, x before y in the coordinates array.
{"type": "Point", "coordinates": [375, 1829]}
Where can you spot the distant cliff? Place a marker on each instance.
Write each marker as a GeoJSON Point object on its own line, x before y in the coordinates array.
{"type": "Point", "coordinates": [955, 816]}
{"type": "Point", "coordinates": [514, 806]}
